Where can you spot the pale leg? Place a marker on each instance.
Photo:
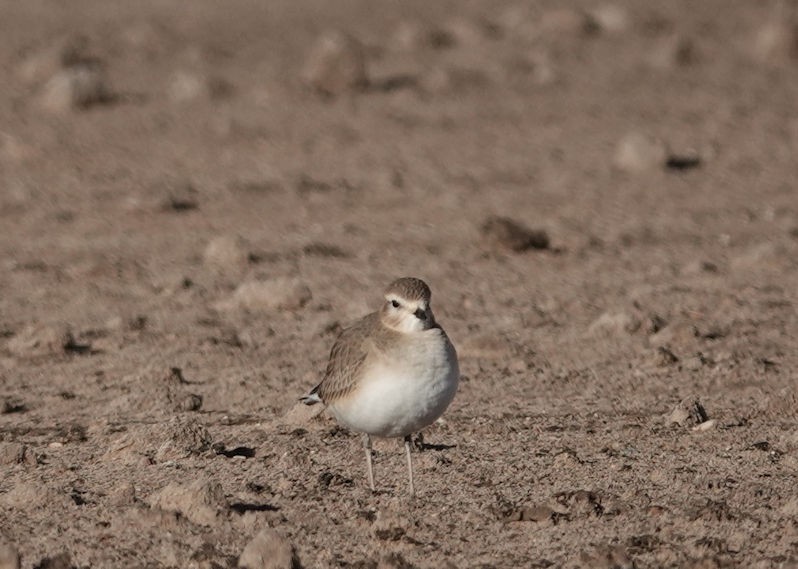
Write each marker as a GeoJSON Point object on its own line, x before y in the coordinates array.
{"type": "Point", "coordinates": [367, 446]}
{"type": "Point", "coordinates": [408, 443]}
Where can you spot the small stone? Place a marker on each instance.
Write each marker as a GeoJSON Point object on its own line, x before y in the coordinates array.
{"type": "Point", "coordinates": [182, 438]}
{"type": "Point", "coordinates": [268, 550]}
{"type": "Point", "coordinates": [279, 293]}
{"type": "Point", "coordinates": [689, 410]}
{"type": "Point", "coordinates": [75, 87]}
{"type": "Point", "coordinates": [638, 152]}
{"type": "Point", "coordinates": [12, 453]}
{"type": "Point", "coordinates": [615, 322]}
{"type": "Point", "coordinates": [60, 561]}
{"type": "Point", "coordinates": [508, 234]}
{"type": "Point", "coordinates": [227, 253]}
{"type": "Point", "coordinates": [610, 18]}
{"type": "Point", "coordinates": [706, 425]}
{"type": "Point", "coordinates": [40, 340]}
{"type": "Point", "coordinates": [335, 65]}
{"type": "Point", "coordinates": [201, 502]}
{"type": "Point", "coordinates": [9, 557]}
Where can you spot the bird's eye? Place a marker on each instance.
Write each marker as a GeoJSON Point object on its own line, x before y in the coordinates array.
{"type": "Point", "coordinates": [395, 303]}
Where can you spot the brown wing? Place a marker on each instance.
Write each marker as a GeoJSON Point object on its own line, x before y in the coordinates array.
{"type": "Point", "coordinates": [347, 357]}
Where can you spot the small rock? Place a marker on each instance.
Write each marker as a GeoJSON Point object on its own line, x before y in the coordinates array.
{"type": "Point", "coordinates": [40, 340]}
{"type": "Point", "coordinates": [60, 561]}
{"type": "Point", "coordinates": [123, 494]}
{"type": "Point", "coordinates": [182, 438]}
{"type": "Point", "coordinates": [9, 557]}
{"type": "Point", "coordinates": [508, 234]}
{"type": "Point", "coordinates": [268, 550]}
{"type": "Point", "coordinates": [280, 293]}
{"type": "Point", "coordinates": [185, 86]}
{"type": "Point", "coordinates": [706, 425]}
{"type": "Point", "coordinates": [615, 322]}
{"type": "Point", "coordinates": [75, 87]}
{"type": "Point", "coordinates": [638, 152]}
{"type": "Point", "coordinates": [689, 410]}
{"type": "Point", "coordinates": [201, 502]}
{"type": "Point", "coordinates": [227, 253]}
{"type": "Point", "coordinates": [336, 65]}
{"type": "Point", "coordinates": [13, 453]}
{"type": "Point", "coordinates": [610, 18]}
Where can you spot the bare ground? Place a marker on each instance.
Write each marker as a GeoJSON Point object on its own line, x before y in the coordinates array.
{"type": "Point", "coordinates": [148, 399]}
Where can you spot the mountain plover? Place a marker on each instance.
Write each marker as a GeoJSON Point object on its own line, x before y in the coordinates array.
{"type": "Point", "coordinates": [393, 372]}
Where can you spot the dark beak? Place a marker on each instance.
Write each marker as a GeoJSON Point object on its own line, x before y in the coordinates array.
{"type": "Point", "coordinates": [421, 314]}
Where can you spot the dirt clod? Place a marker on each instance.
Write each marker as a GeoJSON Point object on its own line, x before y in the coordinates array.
{"type": "Point", "coordinates": [268, 550]}
{"type": "Point", "coordinates": [201, 502]}
{"type": "Point", "coordinates": [508, 234]}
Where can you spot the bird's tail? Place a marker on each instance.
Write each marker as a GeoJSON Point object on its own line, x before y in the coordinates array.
{"type": "Point", "coordinates": [311, 398]}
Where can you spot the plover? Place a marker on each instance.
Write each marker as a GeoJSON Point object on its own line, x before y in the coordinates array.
{"type": "Point", "coordinates": [393, 372]}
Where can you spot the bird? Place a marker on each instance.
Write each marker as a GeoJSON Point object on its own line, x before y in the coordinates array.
{"type": "Point", "coordinates": [391, 373]}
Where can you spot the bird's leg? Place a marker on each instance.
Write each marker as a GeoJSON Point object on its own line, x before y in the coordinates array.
{"type": "Point", "coordinates": [408, 444]}
{"type": "Point", "coordinates": [367, 447]}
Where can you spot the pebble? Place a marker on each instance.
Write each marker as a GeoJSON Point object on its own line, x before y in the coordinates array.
{"type": "Point", "coordinates": [40, 340]}
{"type": "Point", "coordinates": [75, 87]}
{"type": "Point", "coordinates": [182, 438]}
{"type": "Point", "coordinates": [15, 453]}
{"type": "Point", "coordinates": [201, 502]}
{"type": "Point", "coordinates": [508, 234]}
{"type": "Point", "coordinates": [688, 411]}
{"type": "Point", "coordinates": [335, 65]}
{"type": "Point", "coordinates": [268, 550]}
{"type": "Point", "coordinates": [610, 18]}
{"type": "Point", "coordinates": [281, 293]}
{"type": "Point", "coordinates": [60, 561]}
{"type": "Point", "coordinates": [637, 152]}
{"type": "Point", "coordinates": [616, 323]}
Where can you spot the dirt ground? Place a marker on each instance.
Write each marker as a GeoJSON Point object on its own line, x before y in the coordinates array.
{"type": "Point", "coordinates": [195, 198]}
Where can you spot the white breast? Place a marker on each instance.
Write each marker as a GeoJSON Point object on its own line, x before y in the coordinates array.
{"type": "Point", "coordinates": [404, 393]}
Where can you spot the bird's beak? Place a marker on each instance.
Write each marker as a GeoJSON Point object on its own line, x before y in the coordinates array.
{"type": "Point", "coordinates": [421, 314]}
